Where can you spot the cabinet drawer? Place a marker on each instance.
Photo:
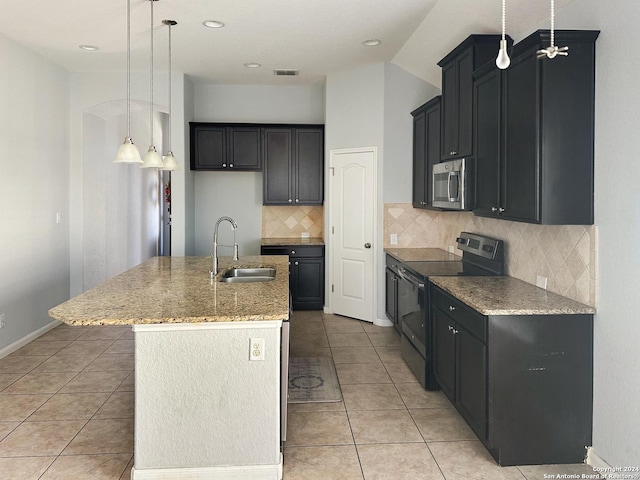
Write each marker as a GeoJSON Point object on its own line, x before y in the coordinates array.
{"type": "Point", "coordinates": [294, 251]}
{"type": "Point", "coordinates": [474, 322]}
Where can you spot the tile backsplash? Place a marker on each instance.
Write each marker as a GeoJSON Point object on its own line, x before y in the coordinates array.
{"type": "Point", "coordinates": [292, 221]}
{"type": "Point", "coordinates": [565, 254]}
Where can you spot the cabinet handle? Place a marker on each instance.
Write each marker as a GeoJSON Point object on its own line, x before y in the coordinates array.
{"type": "Point", "coordinates": [297, 200]}
{"type": "Point", "coordinates": [494, 209]}
{"type": "Point", "coordinates": [450, 328]}
{"type": "Point", "coordinates": [295, 263]}
{"type": "Point", "coordinates": [231, 165]}
{"type": "Point", "coordinates": [290, 201]}
{"type": "Point", "coordinates": [293, 252]}
{"type": "Point", "coordinates": [501, 210]}
{"type": "Point", "coordinates": [453, 153]}
{"type": "Point", "coordinates": [224, 165]}
{"type": "Point", "coordinates": [422, 325]}
{"type": "Point", "coordinates": [451, 308]}
{"type": "Point", "coordinates": [455, 332]}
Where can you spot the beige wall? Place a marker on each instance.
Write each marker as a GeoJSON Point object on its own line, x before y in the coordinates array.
{"type": "Point", "coordinates": [565, 254]}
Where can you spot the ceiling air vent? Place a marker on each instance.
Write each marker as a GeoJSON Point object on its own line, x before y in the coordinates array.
{"type": "Point", "coordinates": [285, 72]}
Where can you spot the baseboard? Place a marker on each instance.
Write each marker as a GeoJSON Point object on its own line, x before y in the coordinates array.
{"type": "Point", "coordinates": [326, 310]}
{"type": "Point", "coordinates": [28, 338]}
{"type": "Point", "coordinates": [596, 461]}
{"type": "Point", "coordinates": [383, 322]}
{"type": "Point", "coordinates": [250, 472]}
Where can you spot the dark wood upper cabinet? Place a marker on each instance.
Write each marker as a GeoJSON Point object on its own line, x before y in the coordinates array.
{"type": "Point", "coordinates": [294, 165]}
{"type": "Point", "coordinates": [534, 138]}
{"type": "Point", "coordinates": [457, 92]}
{"type": "Point", "coordinates": [426, 150]}
{"type": "Point", "coordinates": [230, 147]}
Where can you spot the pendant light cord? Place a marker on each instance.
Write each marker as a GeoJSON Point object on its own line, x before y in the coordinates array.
{"type": "Point", "coordinates": [151, 76]}
{"type": "Point", "coordinates": [552, 23]}
{"type": "Point", "coordinates": [504, 18]}
{"type": "Point", "coordinates": [170, 87]}
{"type": "Point", "coordinates": [128, 68]}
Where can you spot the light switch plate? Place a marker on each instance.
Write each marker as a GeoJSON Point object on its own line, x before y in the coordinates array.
{"type": "Point", "coordinates": [394, 239]}
{"type": "Point", "coordinates": [541, 282]}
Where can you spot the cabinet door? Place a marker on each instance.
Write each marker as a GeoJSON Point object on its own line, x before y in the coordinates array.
{"type": "Point", "coordinates": [244, 148]}
{"type": "Point", "coordinates": [308, 283]}
{"type": "Point", "coordinates": [208, 148]}
{"type": "Point", "coordinates": [471, 380]}
{"type": "Point", "coordinates": [444, 347]}
{"type": "Point", "coordinates": [487, 138]}
{"type": "Point", "coordinates": [465, 103]}
{"type": "Point", "coordinates": [433, 148]}
{"type": "Point", "coordinates": [391, 297]}
{"type": "Point", "coordinates": [420, 197]}
{"type": "Point", "coordinates": [521, 167]}
{"type": "Point", "coordinates": [309, 166]}
{"type": "Point", "coordinates": [449, 144]}
{"type": "Point", "coordinates": [277, 166]}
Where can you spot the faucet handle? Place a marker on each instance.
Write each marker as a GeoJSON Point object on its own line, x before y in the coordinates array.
{"type": "Point", "coordinates": [235, 252]}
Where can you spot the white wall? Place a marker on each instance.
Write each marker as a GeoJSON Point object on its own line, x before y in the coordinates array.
{"type": "Point", "coordinates": [371, 106]}
{"type": "Point", "coordinates": [239, 194]}
{"type": "Point", "coordinates": [34, 186]}
{"type": "Point", "coordinates": [616, 428]}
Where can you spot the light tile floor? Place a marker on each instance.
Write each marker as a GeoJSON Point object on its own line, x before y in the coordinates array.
{"type": "Point", "coordinates": [66, 412]}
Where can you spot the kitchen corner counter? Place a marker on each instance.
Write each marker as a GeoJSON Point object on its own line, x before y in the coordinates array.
{"type": "Point", "coordinates": [283, 241]}
{"type": "Point", "coordinates": [508, 296]}
{"type": "Point", "coordinates": [166, 290]}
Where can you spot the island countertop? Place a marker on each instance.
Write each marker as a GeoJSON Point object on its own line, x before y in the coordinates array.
{"type": "Point", "coordinates": [179, 290]}
{"type": "Point", "coordinates": [503, 295]}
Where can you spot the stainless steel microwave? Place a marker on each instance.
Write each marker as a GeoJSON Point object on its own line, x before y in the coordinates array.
{"type": "Point", "coordinates": [452, 184]}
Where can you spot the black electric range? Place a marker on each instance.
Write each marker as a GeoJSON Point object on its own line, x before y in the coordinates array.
{"type": "Point", "coordinates": [480, 256]}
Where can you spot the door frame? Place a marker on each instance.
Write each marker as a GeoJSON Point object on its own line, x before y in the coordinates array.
{"type": "Point", "coordinates": [330, 219]}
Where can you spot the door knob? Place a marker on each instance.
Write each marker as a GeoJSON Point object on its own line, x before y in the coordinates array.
{"type": "Point", "coordinates": [367, 245]}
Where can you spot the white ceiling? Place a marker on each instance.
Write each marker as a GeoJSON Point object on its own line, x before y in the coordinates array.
{"type": "Point", "coordinates": [318, 37]}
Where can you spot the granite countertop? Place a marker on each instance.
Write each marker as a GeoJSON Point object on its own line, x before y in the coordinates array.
{"type": "Point", "coordinates": [179, 290]}
{"type": "Point", "coordinates": [421, 255]}
{"type": "Point", "coordinates": [292, 241]}
{"type": "Point", "coordinates": [508, 296]}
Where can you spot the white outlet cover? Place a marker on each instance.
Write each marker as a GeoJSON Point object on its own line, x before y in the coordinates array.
{"type": "Point", "coordinates": [541, 281]}
{"type": "Point", "coordinates": [394, 239]}
{"type": "Point", "coordinates": [256, 349]}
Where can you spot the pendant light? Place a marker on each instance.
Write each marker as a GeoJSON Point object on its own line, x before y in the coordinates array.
{"type": "Point", "coordinates": [503, 61]}
{"type": "Point", "coordinates": [170, 162]}
{"type": "Point", "coordinates": [128, 152]}
{"type": "Point", "coordinates": [552, 50]}
{"type": "Point", "coordinates": [152, 158]}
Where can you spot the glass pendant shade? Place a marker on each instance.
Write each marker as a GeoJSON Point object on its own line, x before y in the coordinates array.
{"type": "Point", "coordinates": [152, 159]}
{"type": "Point", "coordinates": [128, 153]}
{"type": "Point", "coordinates": [170, 162]}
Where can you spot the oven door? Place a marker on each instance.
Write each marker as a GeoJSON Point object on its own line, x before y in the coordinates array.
{"type": "Point", "coordinates": [412, 309]}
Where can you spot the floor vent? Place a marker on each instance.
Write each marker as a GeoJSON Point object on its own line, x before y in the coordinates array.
{"type": "Point", "coordinates": [285, 72]}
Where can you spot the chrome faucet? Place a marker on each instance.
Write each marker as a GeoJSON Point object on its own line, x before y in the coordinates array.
{"type": "Point", "coordinates": [214, 251]}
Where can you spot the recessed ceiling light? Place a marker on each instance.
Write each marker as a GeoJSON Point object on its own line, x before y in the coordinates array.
{"type": "Point", "coordinates": [89, 48]}
{"type": "Point", "coordinates": [252, 65]}
{"type": "Point", "coordinates": [213, 24]}
{"type": "Point", "coordinates": [373, 42]}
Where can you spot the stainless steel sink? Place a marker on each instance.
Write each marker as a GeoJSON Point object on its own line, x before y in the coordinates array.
{"type": "Point", "coordinates": [247, 275]}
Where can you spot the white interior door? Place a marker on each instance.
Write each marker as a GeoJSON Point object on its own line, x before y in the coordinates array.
{"type": "Point", "coordinates": [352, 217]}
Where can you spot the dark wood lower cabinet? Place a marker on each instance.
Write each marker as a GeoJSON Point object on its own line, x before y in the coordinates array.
{"type": "Point", "coordinates": [523, 383]}
{"type": "Point", "coordinates": [306, 273]}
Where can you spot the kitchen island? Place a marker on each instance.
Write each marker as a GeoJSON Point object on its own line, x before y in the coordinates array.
{"type": "Point", "coordinates": [205, 405]}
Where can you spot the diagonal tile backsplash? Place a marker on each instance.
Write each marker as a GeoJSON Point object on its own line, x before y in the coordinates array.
{"type": "Point", "coordinates": [565, 254]}
{"type": "Point", "coordinates": [292, 221]}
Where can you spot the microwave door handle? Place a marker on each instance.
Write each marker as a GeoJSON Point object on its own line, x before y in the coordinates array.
{"type": "Point", "coordinates": [452, 176]}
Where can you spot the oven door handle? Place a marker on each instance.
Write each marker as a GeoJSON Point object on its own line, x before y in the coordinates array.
{"type": "Point", "coordinates": [407, 277]}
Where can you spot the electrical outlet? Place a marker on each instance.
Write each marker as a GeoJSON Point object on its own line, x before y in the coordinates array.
{"type": "Point", "coordinates": [541, 282]}
{"type": "Point", "coordinates": [256, 349]}
{"type": "Point", "coordinates": [394, 239]}
{"type": "Point", "coordinates": [452, 249]}
{"type": "Point", "coordinates": [305, 235]}
{"type": "Point", "coordinates": [3, 319]}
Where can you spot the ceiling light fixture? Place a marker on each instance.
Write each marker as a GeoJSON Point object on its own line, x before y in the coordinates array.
{"type": "Point", "coordinates": [128, 152]}
{"type": "Point", "coordinates": [169, 161]}
{"type": "Point", "coordinates": [213, 24]}
{"type": "Point", "coordinates": [152, 158]}
{"type": "Point", "coordinates": [503, 61]}
{"type": "Point", "coordinates": [252, 65]}
{"type": "Point", "coordinates": [373, 42]}
{"type": "Point", "coordinates": [89, 48]}
{"type": "Point", "coordinates": [552, 50]}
